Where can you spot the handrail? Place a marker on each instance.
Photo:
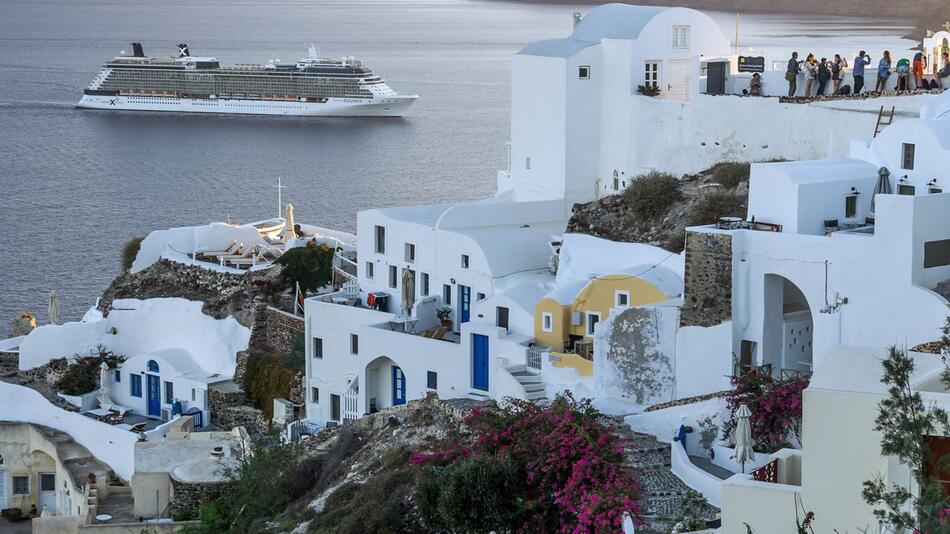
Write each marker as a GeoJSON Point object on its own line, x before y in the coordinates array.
{"type": "Point", "coordinates": [767, 473]}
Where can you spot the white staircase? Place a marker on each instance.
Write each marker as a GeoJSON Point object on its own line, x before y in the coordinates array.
{"type": "Point", "coordinates": [530, 379]}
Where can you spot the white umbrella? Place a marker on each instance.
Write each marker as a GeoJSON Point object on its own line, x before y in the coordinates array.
{"type": "Point", "coordinates": [408, 290]}
{"type": "Point", "coordinates": [105, 396]}
{"type": "Point", "coordinates": [53, 310]}
{"type": "Point", "coordinates": [883, 186]}
{"type": "Point", "coordinates": [289, 224]}
{"type": "Point", "coordinates": [744, 452]}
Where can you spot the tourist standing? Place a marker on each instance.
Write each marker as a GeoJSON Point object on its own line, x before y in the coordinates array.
{"type": "Point", "coordinates": [791, 74]}
{"type": "Point", "coordinates": [811, 72]}
{"type": "Point", "coordinates": [863, 60]}
{"type": "Point", "coordinates": [837, 72]}
{"type": "Point", "coordinates": [943, 72]}
{"type": "Point", "coordinates": [883, 72]}
{"type": "Point", "coordinates": [920, 64]}
{"type": "Point", "coordinates": [824, 74]}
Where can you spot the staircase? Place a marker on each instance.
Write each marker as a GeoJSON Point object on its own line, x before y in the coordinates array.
{"type": "Point", "coordinates": [648, 460]}
{"type": "Point", "coordinates": [531, 381]}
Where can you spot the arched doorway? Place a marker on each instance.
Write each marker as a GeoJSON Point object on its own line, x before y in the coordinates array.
{"type": "Point", "coordinates": [788, 327]}
{"type": "Point", "coordinates": [385, 385]}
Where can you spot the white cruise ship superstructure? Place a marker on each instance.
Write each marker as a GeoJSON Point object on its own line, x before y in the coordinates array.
{"type": "Point", "coordinates": [313, 86]}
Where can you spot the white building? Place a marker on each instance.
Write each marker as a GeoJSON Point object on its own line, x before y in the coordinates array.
{"type": "Point", "coordinates": [172, 351]}
{"type": "Point", "coordinates": [487, 263]}
{"type": "Point", "coordinates": [841, 251]}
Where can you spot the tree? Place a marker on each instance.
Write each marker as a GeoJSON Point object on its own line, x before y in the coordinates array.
{"type": "Point", "coordinates": [903, 420]}
{"type": "Point", "coordinates": [311, 266]}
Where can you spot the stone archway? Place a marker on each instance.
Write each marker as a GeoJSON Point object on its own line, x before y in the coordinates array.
{"type": "Point", "coordinates": [788, 326]}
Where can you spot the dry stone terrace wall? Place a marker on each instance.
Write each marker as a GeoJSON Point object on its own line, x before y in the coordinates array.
{"type": "Point", "coordinates": [187, 497]}
{"type": "Point", "coordinates": [707, 284]}
{"type": "Point", "coordinates": [281, 327]}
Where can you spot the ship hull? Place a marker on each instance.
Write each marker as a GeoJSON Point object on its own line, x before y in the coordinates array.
{"type": "Point", "coordinates": [394, 106]}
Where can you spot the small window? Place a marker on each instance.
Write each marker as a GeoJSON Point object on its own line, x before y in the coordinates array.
{"type": "Point", "coordinates": [380, 239]}
{"type": "Point", "coordinates": [480, 296]}
{"type": "Point", "coordinates": [117, 376]}
{"type": "Point", "coordinates": [47, 482]}
{"type": "Point", "coordinates": [651, 74]}
{"type": "Point", "coordinates": [616, 184]}
{"type": "Point", "coordinates": [317, 347]}
{"type": "Point", "coordinates": [936, 253]}
{"type": "Point", "coordinates": [592, 320]}
{"type": "Point", "coordinates": [850, 206]}
{"type": "Point", "coordinates": [410, 252]}
{"type": "Point", "coordinates": [135, 386]}
{"type": "Point", "coordinates": [152, 366]}
{"type": "Point", "coordinates": [527, 164]}
{"type": "Point", "coordinates": [446, 294]}
{"type": "Point", "coordinates": [334, 407]}
{"type": "Point", "coordinates": [621, 299]}
{"type": "Point", "coordinates": [908, 190]}
{"type": "Point", "coordinates": [934, 190]}
{"type": "Point", "coordinates": [393, 276]}
{"type": "Point", "coordinates": [21, 485]}
{"type": "Point", "coordinates": [907, 156]}
{"type": "Point", "coordinates": [169, 392]}
{"type": "Point", "coordinates": [432, 380]}
{"type": "Point", "coordinates": [354, 344]}
{"type": "Point", "coordinates": [501, 317]}
{"type": "Point", "coordinates": [547, 322]}
{"type": "Point", "coordinates": [370, 270]}
{"type": "Point", "coordinates": [314, 394]}
{"type": "Point", "coordinates": [465, 261]}
{"type": "Point", "coordinates": [194, 394]}
{"type": "Point", "coordinates": [680, 37]}
{"type": "Point", "coordinates": [583, 72]}
{"type": "Point", "coordinates": [425, 284]}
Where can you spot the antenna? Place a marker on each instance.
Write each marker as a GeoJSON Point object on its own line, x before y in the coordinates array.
{"type": "Point", "coordinates": [279, 188]}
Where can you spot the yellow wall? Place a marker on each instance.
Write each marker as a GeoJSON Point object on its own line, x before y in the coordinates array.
{"type": "Point", "coordinates": [584, 367]}
{"type": "Point", "coordinates": [597, 296]}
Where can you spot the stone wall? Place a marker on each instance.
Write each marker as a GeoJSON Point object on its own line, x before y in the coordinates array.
{"type": "Point", "coordinates": [223, 294]}
{"type": "Point", "coordinates": [249, 417]}
{"type": "Point", "coordinates": [634, 351]}
{"type": "Point", "coordinates": [281, 327]}
{"type": "Point", "coordinates": [707, 284]}
{"type": "Point", "coordinates": [9, 363]}
{"type": "Point", "coordinates": [187, 497]}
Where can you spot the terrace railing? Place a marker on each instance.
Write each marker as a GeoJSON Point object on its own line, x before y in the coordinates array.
{"type": "Point", "coordinates": [767, 473]}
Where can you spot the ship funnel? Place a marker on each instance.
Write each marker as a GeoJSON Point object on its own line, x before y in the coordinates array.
{"type": "Point", "coordinates": [137, 50]}
{"type": "Point", "coordinates": [577, 17]}
{"type": "Point", "coordinates": [183, 50]}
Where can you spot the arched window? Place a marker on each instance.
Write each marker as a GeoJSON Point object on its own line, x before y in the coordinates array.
{"type": "Point", "coordinates": [152, 366]}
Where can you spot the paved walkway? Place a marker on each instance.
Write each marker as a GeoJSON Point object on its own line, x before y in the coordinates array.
{"type": "Point", "coordinates": [663, 491]}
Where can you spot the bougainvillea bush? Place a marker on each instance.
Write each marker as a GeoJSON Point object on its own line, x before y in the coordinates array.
{"type": "Point", "coordinates": [776, 407]}
{"type": "Point", "coordinates": [560, 465]}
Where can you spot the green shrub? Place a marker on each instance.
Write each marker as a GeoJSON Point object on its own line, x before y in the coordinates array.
{"type": "Point", "coordinates": [650, 196]}
{"type": "Point", "coordinates": [648, 90]}
{"type": "Point", "coordinates": [130, 251]}
{"type": "Point", "coordinates": [730, 174]}
{"type": "Point", "coordinates": [378, 505]}
{"type": "Point", "coordinates": [82, 375]}
{"type": "Point", "coordinates": [268, 378]}
{"type": "Point", "coordinates": [717, 203]}
{"type": "Point", "coordinates": [479, 494]}
{"type": "Point", "coordinates": [311, 266]}
{"type": "Point", "coordinates": [297, 358]}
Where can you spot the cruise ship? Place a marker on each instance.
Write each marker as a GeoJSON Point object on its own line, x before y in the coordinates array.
{"type": "Point", "coordinates": [313, 86]}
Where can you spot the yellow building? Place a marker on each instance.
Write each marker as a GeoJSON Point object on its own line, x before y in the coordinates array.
{"type": "Point", "coordinates": [565, 319]}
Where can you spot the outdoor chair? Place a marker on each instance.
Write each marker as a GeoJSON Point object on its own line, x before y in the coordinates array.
{"type": "Point", "coordinates": [230, 248]}
{"type": "Point", "coordinates": [440, 332]}
{"type": "Point", "coordinates": [137, 427]}
{"type": "Point", "coordinates": [242, 252]}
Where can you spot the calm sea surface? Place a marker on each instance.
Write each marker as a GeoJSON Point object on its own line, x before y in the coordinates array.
{"type": "Point", "coordinates": [76, 184]}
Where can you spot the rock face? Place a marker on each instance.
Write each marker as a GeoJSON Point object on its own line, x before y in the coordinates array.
{"type": "Point", "coordinates": [610, 218]}
{"type": "Point", "coordinates": [223, 294]}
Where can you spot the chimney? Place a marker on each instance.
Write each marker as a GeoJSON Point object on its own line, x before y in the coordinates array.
{"type": "Point", "coordinates": [577, 18]}
{"type": "Point", "coordinates": [137, 50]}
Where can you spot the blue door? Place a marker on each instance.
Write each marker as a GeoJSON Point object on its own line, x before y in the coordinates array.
{"type": "Point", "coordinates": [154, 399]}
{"type": "Point", "coordinates": [465, 303]}
{"type": "Point", "coordinates": [480, 362]}
{"type": "Point", "coordinates": [399, 386]}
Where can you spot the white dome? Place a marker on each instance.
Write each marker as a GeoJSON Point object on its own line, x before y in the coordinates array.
{"type": "Point", "coordinates": [938, 108]}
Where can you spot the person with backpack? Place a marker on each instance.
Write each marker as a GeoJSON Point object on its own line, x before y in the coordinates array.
{"type": "Point", "coordinates": [811, 72]}
{"type": "Point", "coordinates": [824, 75]}
{"type": "Point", "coordinates": [863, 60]}
{"type": "Point", "coordinates": [920, 64]}
{"type": "Point", "coordinates": [837, 72]}
{"type": "Point", "coordinates": [883, 72]}
{"type": "Point", "coordinates": [903, 75]}
{"type": "Point", "coordinates": [791, 74]}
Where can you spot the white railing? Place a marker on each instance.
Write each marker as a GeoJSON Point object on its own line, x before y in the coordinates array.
{"type": "Point", "coordinates": [533, 356]}
{"type": "Point", "coordinates": [351, 400]}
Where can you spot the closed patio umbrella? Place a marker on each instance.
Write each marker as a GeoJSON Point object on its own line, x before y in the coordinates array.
{"type": "Point", "coordinates": [53, 310]}
{"type": "Point", "coordinates": [105, 393]}
{"type": "Point", "coordinates": [289, 225]}
{"type": "Point", "coordinates": [408, 290]}
{"type": "Point", "coordinates": [883, 185]}
{"type": "Point", "coordinates": [744, 452]}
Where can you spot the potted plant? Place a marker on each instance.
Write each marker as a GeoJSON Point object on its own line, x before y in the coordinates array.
{"type": "Point", "coordinates": [444, 314]}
